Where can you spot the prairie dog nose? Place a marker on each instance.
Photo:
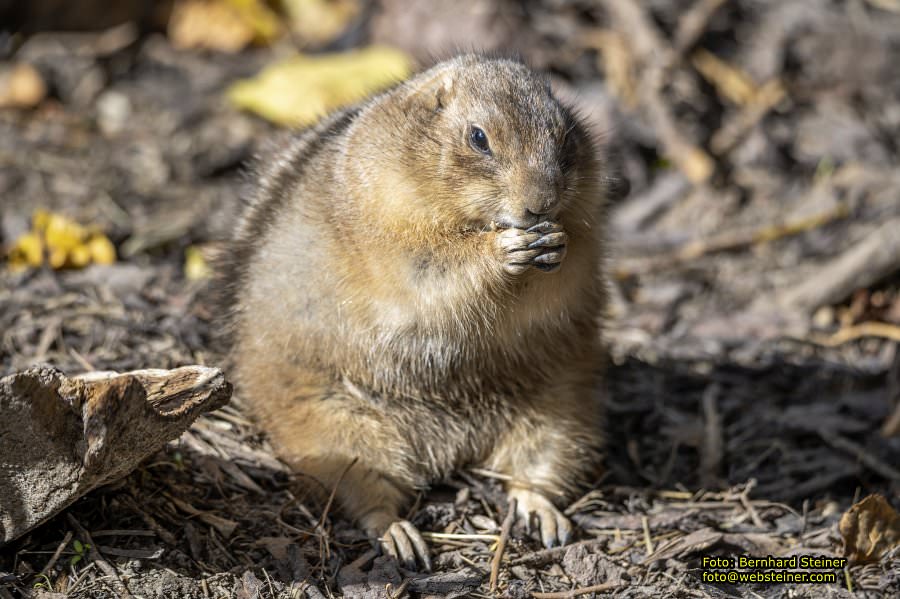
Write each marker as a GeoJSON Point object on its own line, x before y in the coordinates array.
{"type": "Point", "coordinates": [544, 197]}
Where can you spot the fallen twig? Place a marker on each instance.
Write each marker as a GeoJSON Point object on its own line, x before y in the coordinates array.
{"type": "Point", "coordinates": [97, 557]}
{"type": "Point", "coordinates": [865, 263]}
{"type": "Point", "coordinates": [863, 329]}
{"type": "Point", "coordinates": [734, 240]}
{"type": "Point", "coordinates": [401, 590]}
{"type": "Point", "coordinates": [892, 424]}
{"type": "Point", "coordinates": [648, 542]}
{"type": "Point", "coordinates": [765, 98]}
{"type": "Point", "coordinates": [597, 588]}
{"type": "Point", "coordinates": [860, 453]}
{"type": "Point", "coordinates": [891, 5]}
{"type": "Point", "coordinates": [149, 520]}
{"type": "Point", "coordinates": [657, 57]}
{"type": "Point", "coordinates": [693, 23]}
{"type": "Point", "coordinates": [451, 536]}
{"type": "Point", "coordinates": [748, 505]}
{"type": "Point", "coordinates": [544, 556]}
{"type": "Point", "coordinates": [62, 546]}
{"type": "Point", "coordinates": [501, 544]}
{"type": "Point", "coordinates": [711, 457]}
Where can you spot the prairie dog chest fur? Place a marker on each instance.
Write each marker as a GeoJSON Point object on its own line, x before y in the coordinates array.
{"type": "Point", "coordinates": [417, 285]}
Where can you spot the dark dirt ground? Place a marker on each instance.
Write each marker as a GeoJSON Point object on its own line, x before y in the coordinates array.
{"type": "Point", "coordinates": [754, 375]}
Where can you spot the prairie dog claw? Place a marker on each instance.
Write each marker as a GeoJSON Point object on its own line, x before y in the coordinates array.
{"type": "Point", "coordinates": [403, 542]}
{"type": "Point", "coordinates": [535, 510]}
{"type": "Point", "coordinates": [545, 227]}
{"type": "Point", "coordinates": [542, 246]}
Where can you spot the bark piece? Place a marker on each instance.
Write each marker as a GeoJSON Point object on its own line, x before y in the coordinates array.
{"type": "Point", "coordinates": [61, 437]}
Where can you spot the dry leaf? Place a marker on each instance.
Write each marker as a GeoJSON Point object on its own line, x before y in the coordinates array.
{"type": "Point", "coordinates": [264, 22]}
{"type": "Point", "coordinates": [27, 251]}
{"type": "Point", "coordinates": [870, 529]}
{"type": "Point", "coordinates": [317, 22]}
{"type": "Point", "coordinates": [699, 540]}
{"type": "Point", "coordinates": [21, 86]}
{"type": "Point", "coordinates": [101, 249]}
{"type": "Point", "coordinates": [195, 266]}
{"type": "Point", "coordinates": [223, 25]}
{"type": "Point", "coordinates": [696, 164]}
{"type": "Point", "coordinates": [62, 242]}
{"type": "Point", "coordinates": [302, 89]}
{"type": "Point", "coordinates": [736, 86]}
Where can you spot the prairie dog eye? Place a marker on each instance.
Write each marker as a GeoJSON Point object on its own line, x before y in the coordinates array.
{"type": "Point", "coordinates": [478, 139]}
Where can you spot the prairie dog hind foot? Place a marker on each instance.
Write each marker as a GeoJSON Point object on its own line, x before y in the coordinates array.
{"type": "Point", "coordinates": [538, 513]}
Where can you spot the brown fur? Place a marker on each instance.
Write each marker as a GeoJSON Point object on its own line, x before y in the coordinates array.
{"type": "Point", "coordinates": [372, 316]}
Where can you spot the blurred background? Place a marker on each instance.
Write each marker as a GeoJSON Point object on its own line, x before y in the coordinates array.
{"type": "Point", "coordinates": [754, 267]}
{"type": "Point", "coordinates": [759, 137]}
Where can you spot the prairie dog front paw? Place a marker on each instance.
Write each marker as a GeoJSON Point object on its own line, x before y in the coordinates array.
{"type": "Point", "coordinates": [542, 246]}
{"type": "Point", "coordinates": [399, 539]}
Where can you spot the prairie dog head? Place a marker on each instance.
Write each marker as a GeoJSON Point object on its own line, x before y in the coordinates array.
{"type": "Point", "coordinates": [487, 135]}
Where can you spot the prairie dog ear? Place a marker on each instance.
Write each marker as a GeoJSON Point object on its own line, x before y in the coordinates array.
{"type": "Point", "coordinates": [431, 89]}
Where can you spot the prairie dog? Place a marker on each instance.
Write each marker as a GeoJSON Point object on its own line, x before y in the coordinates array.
{"type": "Point", "coordinates": [417, 286]}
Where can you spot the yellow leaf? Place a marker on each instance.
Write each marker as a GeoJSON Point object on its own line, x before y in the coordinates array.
{"type": "Point", "coordinates": [223, 25]}
{"type": "Point", "coordinates": [79, 256]}
{"type": "Point", "coordinates": [317, 22]}
{"type": "Point", "coordinates": [102, 249]}
{"type": "Point", "coordinates": [696, 164]}
{"type": "Point", "coordinates": [62, 234]}
{"type": "Point", "coordinates": [65, 243]}
{"type": "Point", "coordinates": [302, 89]}
{"type": "Point", "coordinates": [57, 258]}
{"type": "Point", "coordinates": [39, 220]}
{"type": "Point", "coordinates": [195, 266]}
{"type": "Point", "coordinates": [261, 19]}
{"type": "Point", "coordinates": [21, 86]}
{"type": "Point", "coordinates": [870, 529]}
{"type": "Point", "coordinates": [27, 251]}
